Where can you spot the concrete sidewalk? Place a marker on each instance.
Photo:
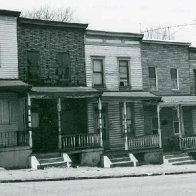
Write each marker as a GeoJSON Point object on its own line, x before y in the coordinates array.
{"type": "Point", "coordinates": [55, 174]}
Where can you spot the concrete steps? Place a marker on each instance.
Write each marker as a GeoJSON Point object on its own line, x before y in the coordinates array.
{"type": "Point", "coordinates": [178, 158]}
{"type": "Point", "coordinates": [45, 160]}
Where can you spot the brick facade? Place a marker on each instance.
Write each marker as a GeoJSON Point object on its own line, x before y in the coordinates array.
{"type": "Point", "coordinates": [48, 38]}
{"type": "Point", "coordinates": [164, 56]}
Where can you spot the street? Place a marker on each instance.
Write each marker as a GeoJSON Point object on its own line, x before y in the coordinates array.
{"type": "Point", "coordinates": [148, 186]}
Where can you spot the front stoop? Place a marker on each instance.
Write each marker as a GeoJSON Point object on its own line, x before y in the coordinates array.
{"type": "Point", "coordinates": [178, 158]}
{"type": "Point", "coordinates": [119, 159]}
{"type": "Point", "coordinates": [45, 160]}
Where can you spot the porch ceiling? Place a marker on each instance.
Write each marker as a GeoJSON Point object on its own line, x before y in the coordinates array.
{"type": "Point", "coordinates": [178, 100]}
{"type": "Point", "coordinates": [67, 92]}
{"type": "Point", "coordinates": [135, 96]}
{"type": "Point", "coordinates": [13, 85]}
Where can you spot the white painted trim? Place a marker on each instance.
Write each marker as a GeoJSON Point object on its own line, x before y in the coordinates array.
{"type": "Point", "coordinates": [133, 159]}
{"type": "Point", "coordinates": [34, 162]}
{"type": "Point", "coordinates": [67, 159]}
{"type": "Point", "coordinates": [106, 162]}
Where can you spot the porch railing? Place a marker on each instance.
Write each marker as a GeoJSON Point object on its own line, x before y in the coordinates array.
{"type": "Point", "coordinates": [143, 142]}
{"type": "Point", "coordinates": [188, 143]}
{"type": "Point", "coordinates": [14, 138]}
{"type": "Point", "coordinates": [79, 141]}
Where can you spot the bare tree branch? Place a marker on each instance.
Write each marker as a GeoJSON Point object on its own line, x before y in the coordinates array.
{"type": "Point", "coordinates": [47, 13]}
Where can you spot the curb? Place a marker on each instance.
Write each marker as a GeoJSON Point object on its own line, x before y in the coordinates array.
{"type": "Point", "coordinates": [96, 177]}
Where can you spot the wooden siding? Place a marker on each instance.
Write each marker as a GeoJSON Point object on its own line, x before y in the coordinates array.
{"type": "Point", "coordinates": [16, 123]}
{"type": "Point", "coordinates": [194, 120]}
{"type": "Point", "coordinates": [192, 64]}
{"type": "Point", "coordinates": [8, 48]}
{"type": "Point", "coordinates": [139, 119]}
{"type": "Point", "coordinates": [111, 67]}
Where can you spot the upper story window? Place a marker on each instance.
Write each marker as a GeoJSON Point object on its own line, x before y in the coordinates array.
{"type": "Point", "coordinates": [174, 78]}
{"type": "Point", "coordinates": [33, 65]}
{"type": "Point", "coordinates": [124, 72]}
{"type": "Point", "coordinates": [152, 77]}
{"type": "Point", "coordinates": [63, 65]}
{"type": "Point", "coordinates": [98, 72]}
{"type": "Point", "coordinates": [5, 112]}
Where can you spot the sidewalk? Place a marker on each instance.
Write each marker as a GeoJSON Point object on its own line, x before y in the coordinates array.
{"type": "Point", "coordinates": [54, 174]}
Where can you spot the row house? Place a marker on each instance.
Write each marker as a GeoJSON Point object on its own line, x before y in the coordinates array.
{"type": "Point", "coordinates": [169, 72]}
{"type": "Point", "coordinates": [14, 143]}
{"type": "Point", "coordinates": [114, 66]}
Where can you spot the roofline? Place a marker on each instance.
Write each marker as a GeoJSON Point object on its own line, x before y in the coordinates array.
{"type": "Point", "coordinates": [166, 42]}
{"type": "Point", "coordinates": [9, 13]}
{"type": "Point", "coordinates": [40, 22]}
{"type": "Point", "coordinates": [192, 49]}
{"type": "Point", "coordinates": [114, 34]}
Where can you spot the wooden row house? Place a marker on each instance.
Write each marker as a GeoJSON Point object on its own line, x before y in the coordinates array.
{"type": "Point", "coordinates": [14, 140]}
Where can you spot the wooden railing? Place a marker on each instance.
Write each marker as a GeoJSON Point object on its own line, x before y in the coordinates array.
{"type": "Point", "coordinates": [188, 143]}
{"type": "Point", "coordinates": [79, 141]}
{"type": "Point", "coordinates": [14, 138]}
{"type": "Point", "coordinates": [142, 142]}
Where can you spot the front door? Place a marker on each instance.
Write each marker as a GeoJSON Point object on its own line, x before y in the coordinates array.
{"type": "Point", "coordinates": [45, 125]}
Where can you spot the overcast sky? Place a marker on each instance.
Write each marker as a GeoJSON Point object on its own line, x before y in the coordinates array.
{"type": "Point", "coordinates": [124, 15]}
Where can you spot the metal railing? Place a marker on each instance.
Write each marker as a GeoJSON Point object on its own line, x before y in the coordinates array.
{"type": "Point", "coordinates": [142, 142]}
{"type": "Point", "coordinates": [77, 141]}
{"type": "Point", "coordinates": [14, 138]}
{"type": "Point", "coordinates": [188, 143]}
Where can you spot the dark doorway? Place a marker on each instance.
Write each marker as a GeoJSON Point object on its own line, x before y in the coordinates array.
{"type": "Point", "coordinates": [45, 125]}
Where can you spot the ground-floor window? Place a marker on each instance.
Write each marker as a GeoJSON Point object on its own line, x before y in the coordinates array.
{"type": "Point", "coordinates": [5, 111]}
{"type": "Point", "coordinates": [154, 125]}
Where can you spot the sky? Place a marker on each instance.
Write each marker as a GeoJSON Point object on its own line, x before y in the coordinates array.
{"type": "Point", "coordinates": [124, 15]}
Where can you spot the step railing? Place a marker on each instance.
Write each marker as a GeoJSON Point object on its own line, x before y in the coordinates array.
{"type": "Point", "coordinates": [188, 143]}
{"type": "Point", "coordinates": [14, 138]}
{"type": "Point", "coordinates": [81, 141]}
{"type": "Point", "coordinates": [143, 142]}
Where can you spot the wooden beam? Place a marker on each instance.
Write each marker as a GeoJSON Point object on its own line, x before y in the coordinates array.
{"type": "Point", "coordinates": [59, 123]}
{"type": "Point", "coordinates": [125, 124]}
{"type": "Point", "coordinates": [29, 120]}
{"type": "Point", "coordinates": [100, 121]}
{"type": "Point", "coordinates": [159, 125]}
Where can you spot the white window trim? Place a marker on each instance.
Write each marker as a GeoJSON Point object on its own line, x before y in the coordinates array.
{"type": "Point", "coordinates": [157, 85]}
{"type": "Point", "coordinates": [175, 89]}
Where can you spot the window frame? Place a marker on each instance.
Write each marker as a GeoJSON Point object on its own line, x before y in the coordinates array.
{"type": "Point", "coordinates": [174, 121]}
{"type": "Point", "coordinates": [127, 59]}
{"type": "Point", "coordinates": [102, 59]}
{"type": "Point", "coordinates": [177, 79]}
{"type": "Point", "coordinates": [156, 78]}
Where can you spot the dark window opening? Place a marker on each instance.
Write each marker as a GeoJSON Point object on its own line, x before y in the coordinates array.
{"type": "Point", "coordinates": [124, 72]}
{"type": "Point", "coordinates": [152, 77]}
{"type": "Point", "coordinates": [98, 72]}
{"type": "Point", "coordinates": [174, 78]}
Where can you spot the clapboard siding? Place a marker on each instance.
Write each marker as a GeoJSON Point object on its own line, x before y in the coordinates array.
{"type": "Point", "coordinates": [192, 64]}
{"type": "Point", "coordinates": [8, 48]}
{"type": "Point", "coordinates": [111, 68]}
{"type": "Point", "coordinates": [139, 119]}
{"type": "Point", "coordinates": [115, 132]}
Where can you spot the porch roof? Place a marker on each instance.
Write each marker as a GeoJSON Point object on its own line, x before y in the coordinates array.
{"type": "Point", "coordinates": [67, 92]}
{"type": "Point", "coordinates": [134, 95]}
{"type": "Point", "coordinates": [13, 85]}
{"type": "Point", "coordinates": [178, 100]}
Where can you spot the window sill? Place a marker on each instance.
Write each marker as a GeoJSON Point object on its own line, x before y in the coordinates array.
{"type": "Point", "coordinates": [175, 89]}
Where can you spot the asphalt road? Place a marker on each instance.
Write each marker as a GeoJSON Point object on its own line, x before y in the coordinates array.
{"type": "Point", "coordinates": [184, 185]}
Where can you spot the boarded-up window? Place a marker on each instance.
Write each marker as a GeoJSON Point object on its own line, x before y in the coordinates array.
{"type": "Point", "coordinates": [63, 65]}
{"type": "Point", "coordinates": [175, 121]}
{"type": "Point", "coordinates": [33, 65]}
{"type": "Point", "coordinates": [129, 118]}
{"type": "Point", "coordinates": [124, 72]}
{"type": "Point", "coordinates": [5, 112]}
{"type": "Point", "coordinates": [152, 77]}
{"type": "Point", "coordinates": [98, 72]}
{"type": "Point", "coordinates": [174, 78]}
{"type": "Point", "coordinates": [155, 125]}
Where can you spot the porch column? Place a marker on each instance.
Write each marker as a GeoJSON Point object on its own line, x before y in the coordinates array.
{"type": "Point", "coordinates": [59, 122]}
{"type": "Point", "coordinates": [125, 124]}
{"type": "Point", "coordinates": [159, 124]}
{"type": "Point", "coordinates": [180, 118]}
{"type": "Point", "coordinates": [100, 121]}
{"type": "Point", "coordinates": [29, 120]}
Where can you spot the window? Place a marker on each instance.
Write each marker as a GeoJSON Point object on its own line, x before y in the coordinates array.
{"type": "Point", "coordinates": [33, 65]}
{"type": "Point", "coordinates": [175, 121]}
{"type": "Point", "coordinates": [63, 65]}
{"type": "Point", "coordinates": [124, 72]}
{"type": "Point", "coordinates": [130, 123]}
{"type": "Point", "coordinates": [155, 125]}
{"type": "Point", "coordinates": [174, 78]}
{"type": "Point", "coordinates": [5, 112]}
{"type": "Point", "coordinates": [98, 72]}
{"type": "Point", "coordinates": [152, 77]}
